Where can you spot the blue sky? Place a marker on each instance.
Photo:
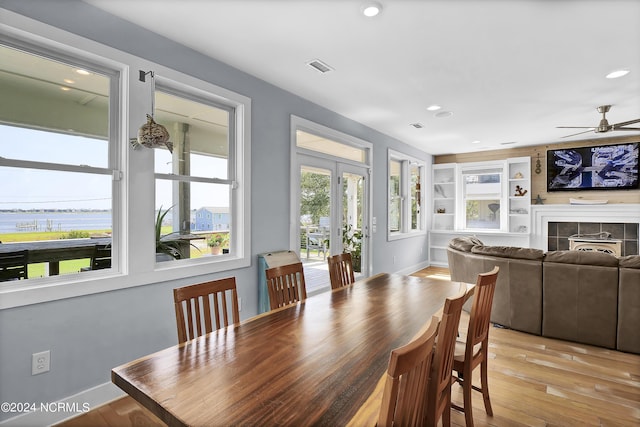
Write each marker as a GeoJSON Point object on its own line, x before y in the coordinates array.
{"type": "Point", "coordinates": [34, 189]}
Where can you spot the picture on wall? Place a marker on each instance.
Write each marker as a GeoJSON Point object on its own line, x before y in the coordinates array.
{"type": "Point", "coordinates": [603, 167]}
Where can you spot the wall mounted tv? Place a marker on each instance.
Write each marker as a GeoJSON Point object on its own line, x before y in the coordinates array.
{"type": "Point", "coordinates": [602, 167]}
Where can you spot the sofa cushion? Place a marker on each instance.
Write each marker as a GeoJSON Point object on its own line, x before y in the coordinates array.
{"type": "Point", "coordinates": [464, 244]}
{"type": "Point", "coordinates": [508, 252]}
{"type": "Point", "coordinates": [631, 261]}
{"type": "Point", "coordinates": [582, 258]}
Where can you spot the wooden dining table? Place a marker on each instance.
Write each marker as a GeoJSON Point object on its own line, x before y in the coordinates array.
{"type": "Point", "coordinates": [315, 363]}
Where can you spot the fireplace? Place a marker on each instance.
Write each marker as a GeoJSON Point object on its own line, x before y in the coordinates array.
{"type": "Point", "coordinates": [554, 226]}
{"type": "Point", "coordinates": [597, 242]}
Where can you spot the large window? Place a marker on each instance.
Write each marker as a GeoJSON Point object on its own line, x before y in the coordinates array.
{"type": "Point", "coordinates": [194, 184]}
{"type": "Point", "coordinates": [482, 193]}
{"type": "Point", "coordinates": [405, 182]}
{"type": "Point", "coordinates": [58, 161]}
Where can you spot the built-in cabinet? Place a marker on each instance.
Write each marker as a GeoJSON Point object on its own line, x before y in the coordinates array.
{"type": "Point", "coordinates": [444, 196]}
{"type": "Point", "coordinates": [448, 205]}
{"type": "Point", "coordinates": [519, 179]}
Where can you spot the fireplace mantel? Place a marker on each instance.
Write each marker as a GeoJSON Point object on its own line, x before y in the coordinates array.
{"type": "Point", "coordinates": [607, 213]}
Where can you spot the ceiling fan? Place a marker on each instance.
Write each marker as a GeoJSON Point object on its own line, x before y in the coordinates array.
{"type": "Point", "coordinates": [604, 125]}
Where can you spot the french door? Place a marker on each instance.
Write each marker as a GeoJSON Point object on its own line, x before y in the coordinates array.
{"type": "Point", "coordinates": [333, 211]}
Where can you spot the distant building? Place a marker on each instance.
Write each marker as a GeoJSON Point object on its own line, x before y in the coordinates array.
{"type": "Point", "coordinates": [212, 219]}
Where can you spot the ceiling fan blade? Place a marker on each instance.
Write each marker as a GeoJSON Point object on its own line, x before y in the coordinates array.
{"type": "Point", "coordinates": [579, 133]}
{"type": "Point", "coordinates": [575, 127]}
{"type": "Point", "coordinates": [632, 129]}
{"type": "Point", "coordinates": [630, 122]}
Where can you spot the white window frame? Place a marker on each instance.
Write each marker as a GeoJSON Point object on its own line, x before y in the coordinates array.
{"type": "Point", "coordinates": [136, 264]}
{"type": "Point", "coordinates": [496, 167]}
{"type": "Point", "coordinates": [405, 196]}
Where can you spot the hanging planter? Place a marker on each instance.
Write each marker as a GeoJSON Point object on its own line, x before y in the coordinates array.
{"type": "Point", "coordinates": [152, 134]}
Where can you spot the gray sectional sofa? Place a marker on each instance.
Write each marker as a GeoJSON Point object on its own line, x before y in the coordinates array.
{"type": "Point", "coordinates": [586, 297]}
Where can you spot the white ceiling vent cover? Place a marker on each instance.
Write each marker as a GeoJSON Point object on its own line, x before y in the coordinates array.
{"type": "Point", "coordinates": [319, 66]}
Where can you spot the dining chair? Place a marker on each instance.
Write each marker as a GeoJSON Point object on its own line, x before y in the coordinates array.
{"type": "Point", "coordinates": [100, 259]}
{"type": "Point", "coordinates": [439, 392]}
{"type": "Point", "coordinates": [286, 285]}
{"type": "Point", "coordinates": [474, 350]}
{"type": "Point", "coordinates": [193, 306]}
{"type": "Point", "coordinates": [404, 399]}
{"type": "Point", "coordinates": [341, 270]}
{"type": "Point", "coordinates": [13, 266]}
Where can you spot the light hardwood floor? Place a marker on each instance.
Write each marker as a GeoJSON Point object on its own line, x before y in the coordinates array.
{"type": "Point", "coordinates": [533, 381]}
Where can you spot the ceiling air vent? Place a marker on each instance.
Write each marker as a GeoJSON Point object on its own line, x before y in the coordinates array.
{"type": "Point", "coordinates": [319, 66]}
{"type": "Point", "coordinates": [417, 125]}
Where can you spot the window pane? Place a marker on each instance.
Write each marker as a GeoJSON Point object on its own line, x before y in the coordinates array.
{"type": "Point", "coordinates": [395, 210]}
{"type": "Point", "coordinates": [68, 106]}
{"type": "Point", "coordinates": [197, 212]}
{"type": "Point", "coordinates": [416, 197]}
{"type": "Point", "coordinates": [327, 146]}
{"type": "Point", "coordinates": [483, 214]}
{"type": "Point", "coordinates": [200, 136]}
{"type": "Point", "coordinates": [482, 184]}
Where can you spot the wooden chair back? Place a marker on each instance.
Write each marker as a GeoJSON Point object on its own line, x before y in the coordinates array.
{"type": "Point", "coordinates": [404, 399]}
{"type": "Point", "coordinates": [13, 266]}
{"type": "Point", "coordinates": [286, 285]}
{"type": "Point", "coordinates": [480, 314]}
{"type": "Point", "coordinates": [439, 396]}
{"type": "Point", "coordinates": [194, 304]}
{"type": "Point", "coordinates": [341, 270]}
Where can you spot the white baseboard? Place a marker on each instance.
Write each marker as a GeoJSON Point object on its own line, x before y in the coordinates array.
{"type": "Point", "coordinates": [413, 268]}
{"type": "Point", "coordinates": [72, 406]}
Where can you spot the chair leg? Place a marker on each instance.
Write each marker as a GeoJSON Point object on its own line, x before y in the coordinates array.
{"type": "Point", "coordinates": [446, 415]}
{"type": "Point", "coordinates": [468, 407]}
{"type": "Point", "coordinates": [485, 386]}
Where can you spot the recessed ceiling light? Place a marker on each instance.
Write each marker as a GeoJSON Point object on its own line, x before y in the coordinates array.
{"type": "Point", "coordinates": [83, 72]}
{"type": "Point", "coordinates": [433, 107]}
{"type": "Point", "coordinates": [69, 81]}
{"type": "Point", "coordinates": [64, 88]}
{"type": "Point", "coordinates": [617, 73]}
{"type": "Point", "coordinates": [507, 143]}
{"type": "Point", "coordinates": [371, 9]}
{"type": "Point", "coordinates": [475, 142]}
{"type": "Point", "coordinates": [443, 114]}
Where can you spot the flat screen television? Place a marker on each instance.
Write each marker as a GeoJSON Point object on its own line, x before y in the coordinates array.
{"type": "Point", "coordinates": [601, 167]}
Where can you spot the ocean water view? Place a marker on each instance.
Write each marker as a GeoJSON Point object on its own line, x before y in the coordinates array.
{"type": "Point", "coordinates": [14, 222]}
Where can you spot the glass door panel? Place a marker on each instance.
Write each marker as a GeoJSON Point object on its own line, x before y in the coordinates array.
{"type": "Point", "coordinates": [315, 223]}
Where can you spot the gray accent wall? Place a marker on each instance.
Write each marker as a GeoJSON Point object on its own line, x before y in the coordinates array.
{"type": "Point", "coordinates": [89, 335]}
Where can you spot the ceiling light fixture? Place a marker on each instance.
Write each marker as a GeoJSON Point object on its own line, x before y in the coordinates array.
{"type": "Point", "coordinates": [475, 142]}
{"type": "Point", "coordinates": [83, 72]}
{"type": "Point", "coordinates": [433, 107]}
{"type": "Point", "coordinates": [617, 73]}
{"type": "Point", "coordinates": [371, 9]}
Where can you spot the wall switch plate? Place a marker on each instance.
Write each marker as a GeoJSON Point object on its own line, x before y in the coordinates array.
{"type": "Point", "coordinates": [40, 362]}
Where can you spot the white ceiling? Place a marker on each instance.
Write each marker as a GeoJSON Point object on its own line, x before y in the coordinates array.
{"type": "Point", "coordinates": [510, 71]}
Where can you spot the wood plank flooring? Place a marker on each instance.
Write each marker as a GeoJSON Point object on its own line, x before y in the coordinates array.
{"type": "Point", "coordinates": [533, 381]}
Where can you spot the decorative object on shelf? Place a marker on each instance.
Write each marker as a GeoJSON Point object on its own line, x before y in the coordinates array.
{"type": "Point", "coordinates": [538, 166]}
{"type": "Point", "coordinates": [539, 200]}
{"type": "Point", "coordinates": [152, 134]}
{"type": "Point", "coordinates": [587, 202]}
{"type": "Point", "coordinates": [522, 229]}
{"type": "Point", "coordinates": [441, 210]}
{"type": "Point", "coordinates": [520, 191]}
{"type": "Point", "coordinates": [518, 175]}
{"type": "Point", "coordinates": [439, 191]}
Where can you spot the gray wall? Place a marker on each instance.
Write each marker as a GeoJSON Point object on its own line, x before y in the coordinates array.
{"type": "Point", "coordinates": [90, 335]}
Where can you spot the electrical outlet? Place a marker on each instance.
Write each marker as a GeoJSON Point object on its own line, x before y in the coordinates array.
{"type": "Point", "coordinates": [40, 362]}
